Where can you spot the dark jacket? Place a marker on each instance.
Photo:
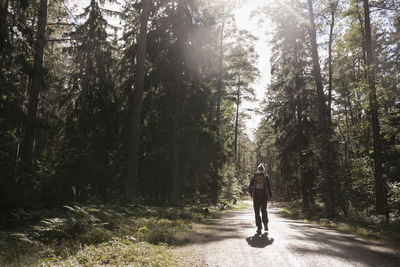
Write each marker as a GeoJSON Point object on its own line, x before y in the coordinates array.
{"type": "Point", "coordinates": [266, 187]}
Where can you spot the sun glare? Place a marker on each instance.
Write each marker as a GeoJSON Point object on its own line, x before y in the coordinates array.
{"type": "Point", "coordinates": [245, 21]}
{"type": "Point", "coordinates": [300, 18]}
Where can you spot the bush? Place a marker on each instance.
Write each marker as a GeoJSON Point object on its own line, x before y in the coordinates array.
{"type": "Point", "coordinates": [231, 189]}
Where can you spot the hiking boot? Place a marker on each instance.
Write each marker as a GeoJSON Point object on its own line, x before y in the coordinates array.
{"type": "Point", "coordinates": [258, 231]}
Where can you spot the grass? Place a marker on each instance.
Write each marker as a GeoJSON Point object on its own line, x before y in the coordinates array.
{"type": "Point", "coordinates": [222, 208]}
{"type": "Point", "coordinates": [93, 235]}
{"type": "Point", "coordinates": [119, 252]}
{"type": "Point", "coordinates": [240, 206]}
{"type": "Point", "coordinates": [368, 227]}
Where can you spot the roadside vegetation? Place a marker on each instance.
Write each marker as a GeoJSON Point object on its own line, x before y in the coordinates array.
{"type": "Point", "coordinates": [364, 224]}
{"type": "Point", "coordinates": [330, 126]}
{"type": "Point", "coordinates": [87, 235]}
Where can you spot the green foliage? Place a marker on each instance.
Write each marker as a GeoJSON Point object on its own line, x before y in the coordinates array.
{"type": "Point", "coordinates": [288, 136]}
{"type": "Point", "coordinates": [232, 188]}
{"type": "Point", "coordinates": [87, 155]}
{"type": "Point", "coordinates": [101, 234]}
{"type": "Point", "coordinates": [394, 194]}
{"type": "Point", "coordinates": [119, 252]}
{"type": "Point", "coordinates": [156, 231]}
{"type": "Point", "coordinates": [81, 138]}
{"type": "Point", "coordinates": [76, 233]}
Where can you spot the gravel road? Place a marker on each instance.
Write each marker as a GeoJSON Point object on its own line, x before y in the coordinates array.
{"type": "Point", "coordinates": [229, 241]}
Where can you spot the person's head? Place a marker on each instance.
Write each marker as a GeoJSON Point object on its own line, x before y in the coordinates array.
{"type": "Point", "coordinates": [261, 167]}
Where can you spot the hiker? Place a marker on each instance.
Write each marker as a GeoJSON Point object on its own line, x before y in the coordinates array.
{"type": "Point", "coordinates": [260, 191]}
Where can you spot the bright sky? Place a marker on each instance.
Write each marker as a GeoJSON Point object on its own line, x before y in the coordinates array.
{"type": "Point", "coordinates": [245, 22]}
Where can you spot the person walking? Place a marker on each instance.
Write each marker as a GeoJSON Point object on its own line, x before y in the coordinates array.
{"type": "Point", "coordinates": [260, 191]}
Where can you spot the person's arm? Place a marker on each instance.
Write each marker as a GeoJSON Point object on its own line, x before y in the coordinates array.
{"type": "Point", "coordinates": [269, 187]}
{"type": "Point", "coordinates": [251, 186]}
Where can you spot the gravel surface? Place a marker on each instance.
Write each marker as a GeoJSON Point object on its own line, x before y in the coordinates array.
{"type": "Point", "coordinates": [230, 241]}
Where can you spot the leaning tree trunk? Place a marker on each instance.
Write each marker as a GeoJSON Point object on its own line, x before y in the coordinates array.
{"type": "Point", "coordinates": [379, 182]}
{"type": "Point", "coordinates": [36, 85]}
{"type": "Point", "coordinates": [131, 189]}
{"type": "Point", "coordinates": [322, 114]}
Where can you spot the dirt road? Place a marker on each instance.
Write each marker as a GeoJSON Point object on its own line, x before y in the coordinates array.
{"type": "Point", "coordinates": [229, 241]}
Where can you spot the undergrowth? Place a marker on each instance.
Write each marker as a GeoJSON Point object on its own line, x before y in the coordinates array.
{"type": "Point", "coordinates": [369, 226]}
{"type": "Point", "coordinates": [119, 252]}
{"type": "Point", "coordinates": [100, 235]}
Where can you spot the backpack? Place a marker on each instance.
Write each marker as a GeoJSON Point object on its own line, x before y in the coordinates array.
{"type": "Point", "coordinates": [259, 180]}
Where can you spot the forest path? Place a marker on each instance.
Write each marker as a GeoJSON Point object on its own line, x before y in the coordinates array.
{"type": "Point", "coordinates": [228, 241]}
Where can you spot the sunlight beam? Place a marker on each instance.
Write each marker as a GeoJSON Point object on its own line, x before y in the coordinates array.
{"type": "Point", "coordinates": [299, 17]}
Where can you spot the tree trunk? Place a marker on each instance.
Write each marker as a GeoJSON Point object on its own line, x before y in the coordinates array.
{"type": "Point", "coordinates": [36, 85]}
{"type": "Point", "coordinates": [301, 144]}
{"type": "Point", "coordinates": [379, 182]}
{"type": "Point", "coordinates": [330, 70]}
{"type": "Point", "coordinates": [237, 117]}
{"type": "Point", "coordinates": [178, 88]}
{"type": "Point", "coordinates": [131, 189]}
{"type": "Point", "coordinates": [219, 83]}
{"type": "Point", "coordinates": [176, 150]}
{"type": "Point", "coordinates": [362, 23]}
{"type": "Point", "coordinates": [347, 141]}
{"type": "Point", "coordinates": [269, 162]}
{"type": "Point", "coordinates": [3, 25]}
{"type": "Point", "coordinates": [322, 114]}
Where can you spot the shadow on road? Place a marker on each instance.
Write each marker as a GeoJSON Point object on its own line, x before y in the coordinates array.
{"type": "Point", "coordinates": [230, 225]}
{"type": "Point", "coordinates": [341, 245]}
{"type": "Point", "coordinates": [259, 241]}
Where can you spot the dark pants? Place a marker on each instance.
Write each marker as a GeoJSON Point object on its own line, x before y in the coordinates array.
{"type": "Point", "coordinates": [260, 202]}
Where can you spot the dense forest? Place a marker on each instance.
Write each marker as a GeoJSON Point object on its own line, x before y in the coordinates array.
{"type": "Point", "coordinates": [145, 111]}
{"type": "Point", "coordinates": [331, 124]}
{"type": "Point", "coordinates": [150, 110]}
